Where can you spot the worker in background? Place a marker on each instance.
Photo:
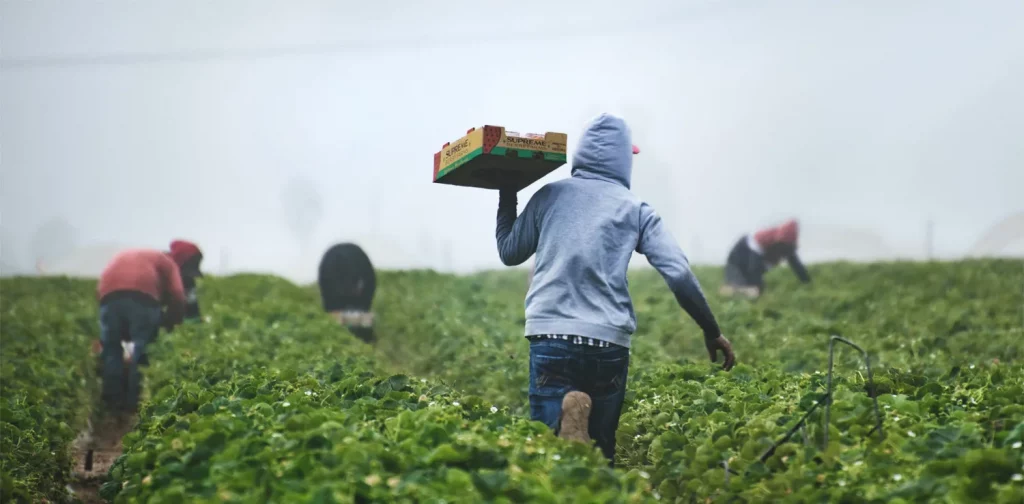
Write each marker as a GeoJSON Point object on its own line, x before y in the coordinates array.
{"type": "Point", "coordinates": [756, 253]}
{"type": "Point", "coordinates": [188, 255]}
{"type": "Point", "coordinates": [579, 316]}
{"type": "Point", "coordinates": [347, 284]}
{"type": "Point", "coordinates": [133, 291]}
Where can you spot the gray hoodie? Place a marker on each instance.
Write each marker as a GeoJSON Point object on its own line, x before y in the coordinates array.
{"type": "Point", "coordinates": [584, 230]}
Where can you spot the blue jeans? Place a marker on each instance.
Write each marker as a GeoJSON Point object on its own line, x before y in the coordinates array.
{"type": "Point", "coordinates": [125, 319]}
{"type": "Point", "coordinates": [558, 367]}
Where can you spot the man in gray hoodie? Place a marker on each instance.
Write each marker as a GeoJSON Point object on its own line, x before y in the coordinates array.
{"type": "Point", "coordinates": [579, 316]}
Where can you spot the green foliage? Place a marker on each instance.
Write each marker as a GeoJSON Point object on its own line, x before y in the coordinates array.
{"type": "Point", "coordinates": [271, 400]}
{"type": "Point", "coordinates": [923, 318]}
{"type": "Point", "coordinates": [46, 382]}
{"type": "Point", "coordinates": [945, 341]}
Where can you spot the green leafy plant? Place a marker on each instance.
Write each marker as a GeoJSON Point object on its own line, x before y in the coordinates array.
{"type": "Point", "coordinates": [271, 400]}
{"type": "Point", "coordinates": [46, 383]}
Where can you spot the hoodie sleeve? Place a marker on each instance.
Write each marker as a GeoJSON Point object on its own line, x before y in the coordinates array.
{"type": "Point", "coordinates": [516, 237]}
{"type": "Point", "coordinates": [798, 268]}
{"type": "Point", "coordinates": [664, 254]}
{"type": "Point", "coordinates": [174, 291]}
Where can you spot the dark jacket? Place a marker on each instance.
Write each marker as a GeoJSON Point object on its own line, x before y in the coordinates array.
{"type": "Point", "coordinates": [346, 279]}
{"type": "Point", "coordinates": [745, 267]}
{"type": "Point", "coordinates": [189, 257]}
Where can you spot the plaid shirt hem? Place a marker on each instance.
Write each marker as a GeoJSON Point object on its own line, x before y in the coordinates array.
{"type": "Point", "coordinates": [576, 340]}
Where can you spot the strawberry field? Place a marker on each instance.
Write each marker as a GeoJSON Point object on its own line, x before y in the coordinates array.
{"type": "Point", "coordinates": [271, 401]}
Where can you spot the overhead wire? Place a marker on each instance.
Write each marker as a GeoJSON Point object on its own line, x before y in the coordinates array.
{"type": "Point", "coordinates": [614, 28]}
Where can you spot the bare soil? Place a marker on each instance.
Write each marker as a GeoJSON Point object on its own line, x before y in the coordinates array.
{"type": "Point", "coordinates": [95, 451]}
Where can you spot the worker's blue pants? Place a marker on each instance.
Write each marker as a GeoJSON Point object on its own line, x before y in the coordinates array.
{"type": "Point", "coordinates": [558, 367]}
{"type": "Point", "coordinates": [125, 319]}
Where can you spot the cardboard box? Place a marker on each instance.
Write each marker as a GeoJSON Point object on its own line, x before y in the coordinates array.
{"type": "Point", "coordinates": [491, 156]}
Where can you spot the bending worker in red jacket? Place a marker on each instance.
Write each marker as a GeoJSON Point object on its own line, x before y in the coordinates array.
{"type": "Point", "coordinates": [755, 253]}
{"type": "Point", "coordinates": [132, 291]}
{"type": "Point", "coordinates": [188, 257]}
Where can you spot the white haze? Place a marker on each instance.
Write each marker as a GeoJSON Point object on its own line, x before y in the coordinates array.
{"type": "Point", "coordinates": [130, 123]}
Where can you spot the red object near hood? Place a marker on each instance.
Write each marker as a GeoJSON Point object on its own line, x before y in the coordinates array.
{"type": "Point", "coordinates": [182, 251]}
{"type": "Point", "coordinates": [786, 233]}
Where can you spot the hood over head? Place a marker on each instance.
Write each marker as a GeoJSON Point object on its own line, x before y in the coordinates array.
{"type": "Point", "coordinates": [182, 251]}
{"type": "Point", "coordinates": [787, 233]}
{"type": "Point", "coordinates": [605, 151]}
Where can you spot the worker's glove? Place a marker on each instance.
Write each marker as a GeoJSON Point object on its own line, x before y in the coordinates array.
{"type": "Point", "coordinates": [719, 343]}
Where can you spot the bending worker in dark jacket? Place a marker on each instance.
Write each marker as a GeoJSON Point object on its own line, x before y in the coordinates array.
{"type": "Point", "coordinates": [755, 253]}
{"type": "Point", "coordinates": [132, 290]}
{"type": "Point", "coordinates": [579, 316]}
{"type": "Point", "coordinates": [347, 284]}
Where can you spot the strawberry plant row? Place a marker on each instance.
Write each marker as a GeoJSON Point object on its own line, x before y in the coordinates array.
{"type": "Point", "coordinates": [271, 400]}
{"type": "Point", "coordinates": [46, 383]}
{"type": "Point", "coordinates": [944, 340]}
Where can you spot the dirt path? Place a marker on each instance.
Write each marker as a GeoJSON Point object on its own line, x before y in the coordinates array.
{"type": "Point", "coordinates": [98, 446]}
{"type": "Point", "coordinates": [95, 451]}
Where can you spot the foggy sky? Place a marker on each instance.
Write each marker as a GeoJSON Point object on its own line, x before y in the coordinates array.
{"type": "Point", "coordinates": [136, 122]}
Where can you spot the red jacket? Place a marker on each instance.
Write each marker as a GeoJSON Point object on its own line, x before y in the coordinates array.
{"type": "Point", "coordinates": [149, 272]}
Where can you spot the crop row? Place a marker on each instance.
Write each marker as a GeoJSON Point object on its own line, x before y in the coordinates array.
{"type": "Point", "coordinates": [46, 386]}
{"type": "Point", "coordinates": [271, 400]}
{"type": "Point", "coordinates": [922, 318]}
{"type": "Point", "coordinates": [944, 339]}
